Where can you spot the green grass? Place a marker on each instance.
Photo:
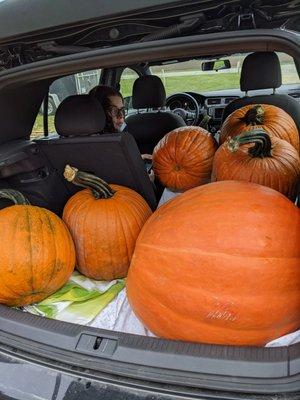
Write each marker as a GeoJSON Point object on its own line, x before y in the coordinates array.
{"type": "Point", "coordinates": [198, 83]}
{"type": "Point", "coordinates": [38, 128]}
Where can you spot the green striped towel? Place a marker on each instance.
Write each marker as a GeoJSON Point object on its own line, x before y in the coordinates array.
{"type": "Point", "coordinates": [79, 301]}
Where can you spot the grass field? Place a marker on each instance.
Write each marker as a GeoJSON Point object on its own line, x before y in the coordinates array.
{"type": "Point", "coordinates": [198, 83]}
{"type": "Point", "coordinates": [38, 128]}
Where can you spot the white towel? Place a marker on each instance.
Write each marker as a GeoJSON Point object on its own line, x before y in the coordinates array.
{"type": "Point", "coordinates": [119, 316]}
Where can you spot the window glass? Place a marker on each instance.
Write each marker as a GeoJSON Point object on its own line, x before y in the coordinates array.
{"type": "Point", "coordinates": [126, 82]}
{"type": "Point", "coordinates": [288, 69]}
{"type": "Point", "coordinates": [188, 76]}
{"type": "Point", "coordinates": [61, 88]}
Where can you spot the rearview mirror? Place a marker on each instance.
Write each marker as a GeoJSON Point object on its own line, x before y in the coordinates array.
{"type": "Point", "coordinates": [215, 65]}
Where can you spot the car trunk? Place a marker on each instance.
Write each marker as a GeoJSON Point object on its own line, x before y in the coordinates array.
{"type": "Point", "coordinates": [188, 369]}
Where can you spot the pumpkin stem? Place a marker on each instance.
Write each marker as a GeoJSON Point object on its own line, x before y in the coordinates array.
{"type": "Point", "coordinates": [15, 196]}
{"type": "Point", "coordinates": [254, 116]}
{"type": "Point", "coordinates": [262, 143]}
{"type": "Point", "coordinates": [100, 189]}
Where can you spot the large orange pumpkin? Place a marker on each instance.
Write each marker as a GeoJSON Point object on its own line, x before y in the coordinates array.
{"type": "Point", "coordinates": [274, 120]}
{"type": "Point", "coordinates": [104, 221]}
{"type": "Point", "coordinates": [219, 264]}
{"type": "Point", "coordinates": [255, 157]}
{"type": "Point", "coordinates": [183, 158]}
{"type": "Point", "coordinates": [36, 251]}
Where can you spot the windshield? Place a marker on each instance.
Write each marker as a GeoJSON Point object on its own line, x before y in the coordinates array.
{"type": "Point", "coordinates": [187, 76]}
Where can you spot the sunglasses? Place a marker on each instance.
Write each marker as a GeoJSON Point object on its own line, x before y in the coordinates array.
{"type": "Point", "coordinates": [117, 112]}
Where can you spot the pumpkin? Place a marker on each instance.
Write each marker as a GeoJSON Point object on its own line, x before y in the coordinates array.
{"type": "Point", "coordinates": [183, 158]}
{"type": "Point", "coordinates": [104, 221]}
{"type": "Point", "coordinates": [36, 251]}
{"type": "Point", "coordinates": [255, 157]}
{"type": "Point", "coordinates": [274, 120]}
{"type": "Point", "coordinates": [219, 264]}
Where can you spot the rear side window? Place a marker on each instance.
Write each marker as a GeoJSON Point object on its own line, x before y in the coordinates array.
{"type": "Point", "coordinates": [126, 82]}
{"type": "Point", "coordinates": [288, 69]}
{"type": "Point", "coordinates": [61, 88]}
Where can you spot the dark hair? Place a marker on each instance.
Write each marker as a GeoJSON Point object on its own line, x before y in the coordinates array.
{"type": "Point", "coordinates": [102, 94]}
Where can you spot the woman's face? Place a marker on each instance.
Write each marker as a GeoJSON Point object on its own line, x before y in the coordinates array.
{"type": "Point", "coordinates": [116, 111]}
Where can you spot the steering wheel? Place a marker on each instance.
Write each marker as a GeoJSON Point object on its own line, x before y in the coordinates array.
{"type": "Point", "coordinates": [189, 116]}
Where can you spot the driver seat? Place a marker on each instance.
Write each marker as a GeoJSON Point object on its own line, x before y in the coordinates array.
{"type": "Point", "coordinates": [148, 127]}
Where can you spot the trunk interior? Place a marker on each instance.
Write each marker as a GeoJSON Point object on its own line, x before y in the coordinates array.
{"type": "Point", "coordinates": [35, 168]}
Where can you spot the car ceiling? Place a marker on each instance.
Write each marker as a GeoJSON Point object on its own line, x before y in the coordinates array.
{"type": "Point", "coordinates": [118, 25]}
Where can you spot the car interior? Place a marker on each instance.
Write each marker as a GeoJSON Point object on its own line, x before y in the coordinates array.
{"type": "Point", "coordinates": [33, 163]}
{"type": "Point", "coordinates": [35, 166]}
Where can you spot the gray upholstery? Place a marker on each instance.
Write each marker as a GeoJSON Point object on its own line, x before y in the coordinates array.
{"type": "Point", "coordinates": [149, 127]}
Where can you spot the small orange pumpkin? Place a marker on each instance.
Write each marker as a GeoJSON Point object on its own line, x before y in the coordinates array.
{"type": "Point", "coordinates": [105, 221]}
{"type": "Point", "coordinates": [183, 158]}
{"type": "Point", "coordinates": [219, 264]}
{"type": "Point", "coordinates": [255, 157]}
{"type": "Point", "coordinates": [36, 251]}
{"type": "Point", "coordinates": [275, 121]}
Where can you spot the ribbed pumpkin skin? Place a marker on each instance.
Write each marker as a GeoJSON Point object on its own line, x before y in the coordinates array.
{"type": "Point", "coordinates": [281, 171]}
{"type": "Point", "coordinates": [105, 230]}
{"type": "Point", "coordinates": [183, 158]}
{"type": "Point", "coordinates": [219, 264]}
{"type": "Point", "coordinates": [276, 122]}
{"type": "Point", "coordinates": [37, 254]}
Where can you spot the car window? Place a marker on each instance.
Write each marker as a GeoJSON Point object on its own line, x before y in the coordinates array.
{"type": "Point", "coordinates": [61, 88]}
{"type": "Point", "coordinates": [126, 84]}
{"type": "Point", "coordinates": [188, 76]}
{"type": "Point", "coordinates": [288, 69]}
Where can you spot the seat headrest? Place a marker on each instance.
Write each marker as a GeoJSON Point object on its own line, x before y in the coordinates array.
{"type": "Point", "coordinates": [260, 70]}
{"type": "Point", "coordinates": [148, 92]}
{"type": "Point", "coordinates": [79, 115]}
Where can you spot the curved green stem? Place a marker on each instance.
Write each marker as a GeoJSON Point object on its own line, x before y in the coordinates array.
{"type": "Point", "coordinates": [261, 140]}
{"type": "Point", "coordinates": [254, 116]}
{"type": "Point", "coordinates": [100, 189]}
{"type": "Point", "coordinates": [15, 196]}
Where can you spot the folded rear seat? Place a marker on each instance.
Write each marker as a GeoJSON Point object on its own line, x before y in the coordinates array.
{"type": "Point", "coordinates": [79, 122]}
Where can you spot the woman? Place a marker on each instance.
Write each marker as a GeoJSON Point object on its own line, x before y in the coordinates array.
{"type": "Point", "coordinates": [113, 106]}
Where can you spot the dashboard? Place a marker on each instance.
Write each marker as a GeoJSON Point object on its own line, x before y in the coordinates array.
{"type": "Point", "coordinates": [215, 106]}
{"type": "Point", "coordinates": [214, 103]}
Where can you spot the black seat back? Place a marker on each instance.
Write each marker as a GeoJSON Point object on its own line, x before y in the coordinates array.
{"type": "Point", "coordinates": [113, 157]}
{"type": "Point", "coordinates": [149, 127]}
{"type": "Point", "coordinates": [261, 70]}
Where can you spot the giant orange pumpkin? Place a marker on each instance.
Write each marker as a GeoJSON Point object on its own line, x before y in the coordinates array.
{"type": "Point", "coordinates": [219, 264]}
{"type": "Point", "coordinates": [37, 254]}
{"type": "Point", "coordinates": [274, 120]}
{"type": "Point", "coordinates": [104, 221]}
{"type": "Point", "coordinates": [255, 157]}
{"type": "Point", "coordinates": [183, 158]}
